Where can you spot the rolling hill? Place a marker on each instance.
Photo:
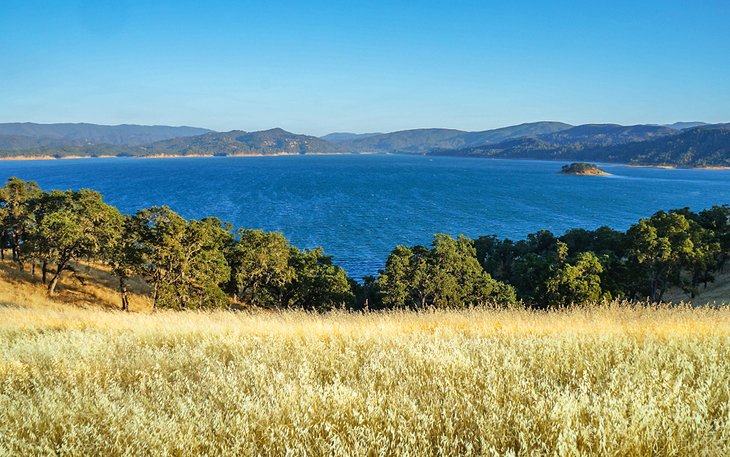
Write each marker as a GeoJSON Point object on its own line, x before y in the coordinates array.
{"type": "Point", "coordinates": [606, 134]}
{"type": "Point", "coordinates": [238, 142]}
{"type": "Point", "coordinates": [422, 141]}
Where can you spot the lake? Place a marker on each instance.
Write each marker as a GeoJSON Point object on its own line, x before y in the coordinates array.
{"type": "Point", "coordinates": [358, 207]}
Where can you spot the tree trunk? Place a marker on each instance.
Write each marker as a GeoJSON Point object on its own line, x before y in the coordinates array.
{"type": "Point", "coordinates": [53, 284]}
{"type": "Point", "coordinates": [54, 280]}
{"type": "Point", "coordinates": [16, 257]}
{"type": "Point", "coordinates": [44, 271]}
{"type": "Point", "coordinates": [15, 246]}
{"type": "Point", "coordinates": [125, 293]}
{"type": "Point", "coordinates": [653, 287]}
{"type": "Point", "coordinates": [154, 297]}
{"type": "Point", "coordinates": [662, 289]}
{"type": "Point", "coordinates": [181, 297]}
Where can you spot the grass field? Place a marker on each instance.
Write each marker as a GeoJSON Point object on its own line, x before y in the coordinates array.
{"type": "Point", "coordinates": [611, 380]}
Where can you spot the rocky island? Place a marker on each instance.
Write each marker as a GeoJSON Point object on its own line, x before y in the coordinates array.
{"type": "Point", "coordinates": [582, 169]}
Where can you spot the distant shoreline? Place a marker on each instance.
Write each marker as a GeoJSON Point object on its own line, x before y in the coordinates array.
{"type": "Point", "coordinates": [179, 156]}
{"type": "Point", "coordinates": [286, 154]}
{"type": "Point", "coordinates": [674, 167]}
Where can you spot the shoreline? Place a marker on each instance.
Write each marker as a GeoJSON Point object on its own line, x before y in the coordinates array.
{"type": "Point", "coordinates": [180, 156]}
{"type": "Point", "coordinates": [286, 154]}
{"type": "Point", "coordinates": [602, 173]}
{"type": "Point", "coordinates": [674, 167]}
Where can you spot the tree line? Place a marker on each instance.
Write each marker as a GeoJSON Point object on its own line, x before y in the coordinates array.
{"type": "Point", "coordinates": [203, 264]}
{"type": "Point", "coordinates": [678, 248]}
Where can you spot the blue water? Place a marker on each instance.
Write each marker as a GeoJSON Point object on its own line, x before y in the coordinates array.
{"type": "Point", "coordinates": [358, 207]}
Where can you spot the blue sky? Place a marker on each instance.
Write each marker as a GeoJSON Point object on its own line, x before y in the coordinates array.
{"type": "Point", "coordinates": [317, 66]}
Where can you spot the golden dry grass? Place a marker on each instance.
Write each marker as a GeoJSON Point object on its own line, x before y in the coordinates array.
{"type": "Point", "coordinates": [90, 286]}
{"type": "Point", "coordinates": [610, 380]}
{"type": "Point", "coordinates": [715, 292]}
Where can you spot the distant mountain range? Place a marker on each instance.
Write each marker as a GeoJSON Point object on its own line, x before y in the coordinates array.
{"type": "Point", "coordinates": [69, 140]}
{"type": "Point", "coordinates": [685, 125]}
{"type": "Point", "coordinates": [684, 144]}
{"type": "Point", "coordinates": [27, 135]}
{"type": "Point", "coordinates": [422, 141]}
{"type": "Point", "coordinates": [341, 137]}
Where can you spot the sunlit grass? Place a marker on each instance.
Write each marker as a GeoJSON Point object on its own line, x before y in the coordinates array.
{"type": "Point", "coordinates": [613, 380]}
{"type": "Point", "coordinates": [90, 286]}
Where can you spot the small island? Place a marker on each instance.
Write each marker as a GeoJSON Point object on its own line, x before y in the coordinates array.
{"type": "Point", "coordinates": [582, 169]}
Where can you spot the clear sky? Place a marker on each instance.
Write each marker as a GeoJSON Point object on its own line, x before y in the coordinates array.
{"type": "Point", "coordinates": [318, 66]}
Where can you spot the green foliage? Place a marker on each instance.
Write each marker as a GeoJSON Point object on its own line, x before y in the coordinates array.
{"type": "Point", "coordinates": [318, 283]}
{"type": "Point", "coordinates": [675, 249]}
{"type": "Point", "coordinates": [666, 245]}
{"type": "Point", "coordinates": [366, 295]}
{"type": "Point", "coordinates": [16, 214]}
{"type": "Point", "coordinates": [126, 257]}
{"type": "Point", "coordinates": [659, 246]}
{"type": "Point", "coordinates": [74, 225]}
{"type": "Point", "coordinates": [182, 260]}
{"type": "Point", "coordinates": [268, 271]}
{"type": "Point", "coordinates": [446, 276]}
{"type": "Point", "coordinates": [610, 246]}
{"type": "Point", "coordinates": [716, 220]}
{"type": "Point", "coordinates": [261, 267]}
{"type": "Point", "coordinates": [526, 264]}
{"type": "Point", "coordinates": [577, 283]}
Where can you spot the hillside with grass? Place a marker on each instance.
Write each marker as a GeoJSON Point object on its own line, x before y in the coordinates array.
{"type": "Point", "coordinates": [612, 379]}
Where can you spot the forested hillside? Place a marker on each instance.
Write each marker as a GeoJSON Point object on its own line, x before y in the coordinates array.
{"type": "Point", "coordinates": [236, 142]}
{"type": "Point", "coordinates": [695, 147]}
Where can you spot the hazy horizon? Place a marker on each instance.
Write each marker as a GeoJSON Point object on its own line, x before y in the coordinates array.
{"type": "Point", "coordinates": [328, 132]}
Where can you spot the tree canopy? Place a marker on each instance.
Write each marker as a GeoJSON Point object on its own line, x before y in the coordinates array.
{"type": "Point", "coordinates": [446, 276]}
